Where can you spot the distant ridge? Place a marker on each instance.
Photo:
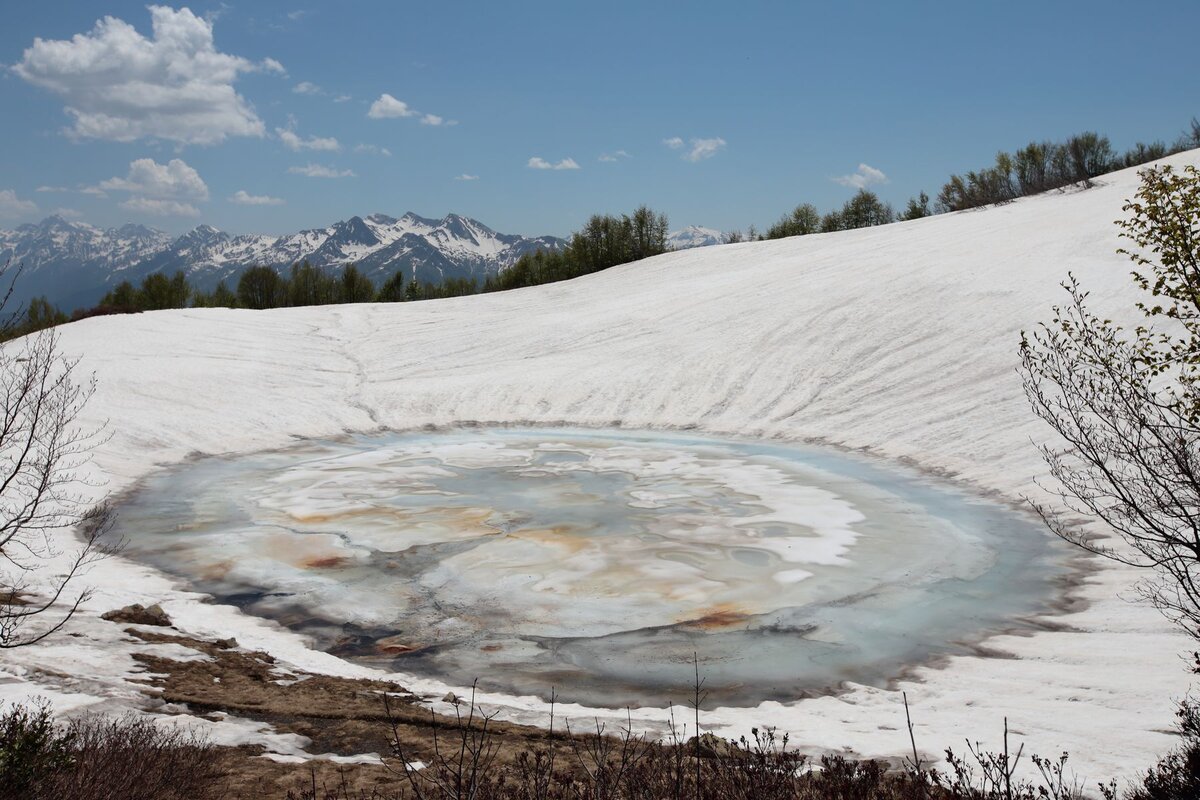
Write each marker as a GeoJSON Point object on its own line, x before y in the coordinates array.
{"type": "Point", "coordinates": [74, 264]}
{"type": "Point", "coordinates": [694, 236]}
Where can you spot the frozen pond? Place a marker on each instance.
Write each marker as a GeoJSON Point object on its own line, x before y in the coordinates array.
{"type": "Point", "coordinates": [597, 562]}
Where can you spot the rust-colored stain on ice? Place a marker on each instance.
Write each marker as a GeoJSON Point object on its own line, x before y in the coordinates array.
{"type": "Point", "coordinates": [324, 562]}
{"type": "Point", "coordinates": [718, 617]}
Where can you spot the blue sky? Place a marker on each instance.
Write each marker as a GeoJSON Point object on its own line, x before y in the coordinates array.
{"type": "Point", "coordinates": [767, 104]}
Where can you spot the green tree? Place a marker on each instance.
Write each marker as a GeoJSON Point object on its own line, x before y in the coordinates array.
{"type": "Point", "coordinates": [1143, 153]}
{"type": "Point", "coordinates": [803, 220]}
{"type": "Point", "coordinates": [220, 297]}
{"type": "Point", "coordinates": [123, 296]}
{"type": "Point", "coordinates": [1091, 155]}
{"type": "Point", "coordinates": [648, 233]}
{"type": "Point", "coordinates": [261, 287]}
{"type": "Point", "coordinates": [354, 287]}
{"type": "Point", "coordinates": [832, 222]}
{"type": "Point", "coordinates": [864, 210]}
{"type": "Point", "coordinates": [392, 290]}
{"type": "Point", "coordinates": [309, 286]}
{"type": "Point", "coordinates": [41, 315]}
{"type": "Point", "coordinates": [1032, 167]}
{"type": "Point", "coordinates": [158, 291]}
{"type": "Point", "coordinates": [1190, 138]}
{"type": "Point", "coordinates": [917, 208]}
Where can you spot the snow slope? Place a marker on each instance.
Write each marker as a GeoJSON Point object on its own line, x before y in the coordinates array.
{"type": "Point", "coordinates": [899, 340]}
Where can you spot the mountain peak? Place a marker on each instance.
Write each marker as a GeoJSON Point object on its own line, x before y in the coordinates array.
{"type": "Point", "coordinates": [354, 231]}
{"type": "Point", "coordinates": [202, 234]}
{"type": "Point", "coordinates": [59, 222]}
{"type": "Point", "coordinates": [694, 236]}
{"type": "Point", "coordinates": [410, 217]}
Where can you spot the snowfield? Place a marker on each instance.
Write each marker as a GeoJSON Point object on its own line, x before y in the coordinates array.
{"type": "Point", "coordinates": [899, 340]}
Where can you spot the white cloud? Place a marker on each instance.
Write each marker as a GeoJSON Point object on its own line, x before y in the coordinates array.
{"type": "Point", "coordinates": [119, 85]}
{"type": "Point", "coordinates": [466, 177]}
{"type": "Point", "coordinates": [697, 149]}
{"type": "Point", "coordinates": [214, 14]}
{"type": "Point", "coordinates": [306, 87]}
{"type": "Point", "coordinates": [52, 189]}
{"type": "Point", "coordinates": [863, 177]}
{"type": "Point", "coordinates": [175, 179]}
{"type": "Point", "coordinates": [610, 158]}
{"type": "Point", "coordinates": [342, 98]}
{"type": "Point", "coordinates": [703, 148]}
{"type": "Point", "coordinates": [388, 107]}
{"type": "Point", "coordinates": [68, 213]}
{"type": "Point", "coordinates": [271, 65]}
{"type": "Point", "coordinates": [373, 150]}
{"type": "Point", "coordinates": [94, 191]}
{"type": "Point", "coordinates": [243, 198]}
{"type": "Point", "coordinates": [293, 141]}
{"type": "Point", "coordinates": [12, 206]}
{"type": "Point", "coordinates": [321, 171]}
{"type": "Point", "coordinates": [160, 207]}
{"type": "Point", "coordinates": [296, 16]}
{"type": "Point", "coordinates": [540, 163]}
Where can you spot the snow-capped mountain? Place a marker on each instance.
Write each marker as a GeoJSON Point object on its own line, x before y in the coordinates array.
{"type": "Point", "coordinates": [74, 263]}
{"type": "Point", "coordinates": [694, 236]}
{"type": "Point", "coordinates": [69, 260]}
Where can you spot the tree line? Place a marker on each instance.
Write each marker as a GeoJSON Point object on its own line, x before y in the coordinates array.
{"type": "Point", "coordinates": [605, 241]}
{"type": "Point", "coordinates": [1037, 167]}
{"type": "Point", "coordinates": [1041, 166]}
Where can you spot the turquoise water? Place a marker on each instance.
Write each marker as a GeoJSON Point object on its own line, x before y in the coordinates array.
{"type": "Point", "coordinates": [596, 563]}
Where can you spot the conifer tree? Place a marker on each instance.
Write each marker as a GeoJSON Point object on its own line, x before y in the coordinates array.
{"type": "Point", "coordinates": [392, 290]}
{"type": "Point", "coordinates": [355, 287]}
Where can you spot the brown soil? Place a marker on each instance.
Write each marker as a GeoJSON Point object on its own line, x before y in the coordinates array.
{"type": "Point", "coordinates": [137, 614]}
{"type": "Point", "coordinates": [342, 716]}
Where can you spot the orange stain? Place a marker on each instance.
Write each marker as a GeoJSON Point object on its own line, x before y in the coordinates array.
{"type": "Point", "coordinates": [721, 616]}
{"type": "Point", "coordinates": [323, 562]}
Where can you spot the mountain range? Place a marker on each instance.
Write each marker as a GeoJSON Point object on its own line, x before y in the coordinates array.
{"type": "Point", "coordinates": [74, 264]}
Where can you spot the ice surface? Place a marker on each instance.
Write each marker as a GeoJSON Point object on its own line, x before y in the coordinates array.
{"type": "Point", "coordinates": [596, 563]}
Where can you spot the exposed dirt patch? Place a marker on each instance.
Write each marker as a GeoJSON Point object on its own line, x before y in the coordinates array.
{"type": "Point", "coordinates": [137, 614]}
{"type": "Point", "coordinates": [341, 716]}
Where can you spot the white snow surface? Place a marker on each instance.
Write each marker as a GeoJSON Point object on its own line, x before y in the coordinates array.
{"type": "Point", "coordinates": [899, 340]}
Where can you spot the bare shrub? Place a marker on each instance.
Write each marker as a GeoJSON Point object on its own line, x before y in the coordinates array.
{"type": "Point", "coordinates": [99, 758]}
{"type": "Point", "coordinates": [43, 491]}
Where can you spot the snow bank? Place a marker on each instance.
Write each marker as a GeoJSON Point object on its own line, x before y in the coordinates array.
{"type": "Point", "coordinates": [900, 340]}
